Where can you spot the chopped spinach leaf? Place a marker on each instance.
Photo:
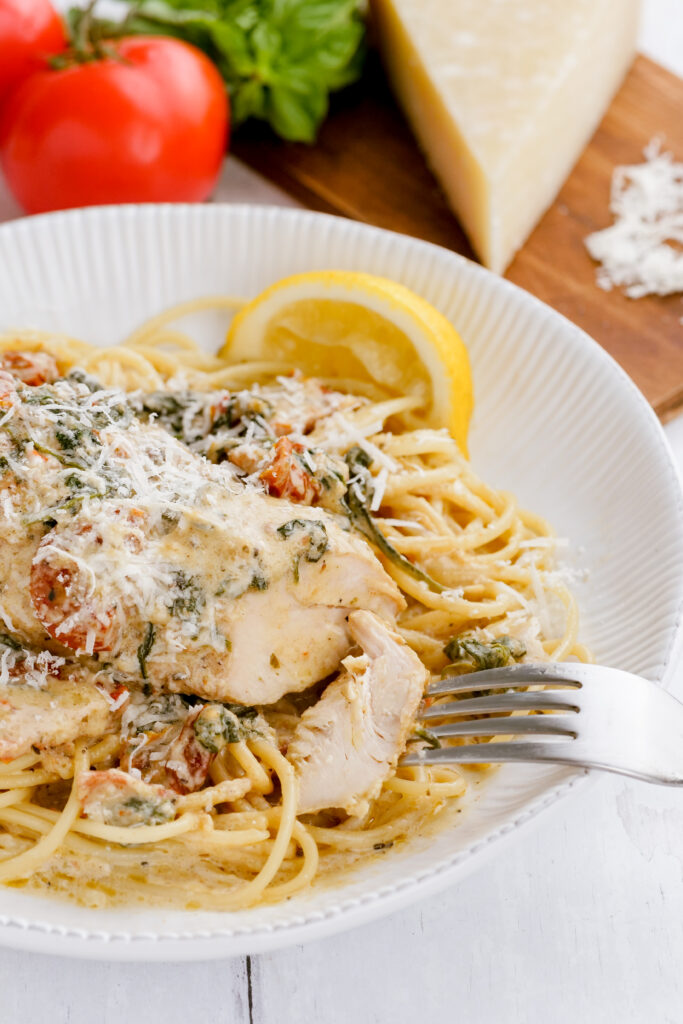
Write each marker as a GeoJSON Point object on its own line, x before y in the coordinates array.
{"type": "Point", "coordinates": [494, 654]}
{"type": "Point", "coordinates": [429, 738]}
{"type": "Point", "coordinates": [258, 580]}
{"type": "Point", "coordinates": [357, 501]}
{"type": "Point", "coordinates": [242, 710]}
{"type": "Point", "coordinates": [174, 411]}
{"type": "Point", "coordinates": [145, 648]}
{"type": "Point", "coordinates": [44, 450]}
{"type": "Point", "coordinates": [163, 709]}
{"type": "Point", "coordinates": [81, 377]}
{"type": "Point", "coordinates": [241, 409]}
{"type": "Point", "coordinates": [69, 438]}
{"type": "Point", "coordinates": [148, 811]}
{"type": "Point", "coordinates": [315, 533]}
{"type": "Point", "coordinates": [210, 727]}
{"type": "Point", "coordinates": [218, 724]}
{"type": "Point", "coordinates": [357, 459]}
{"type": "Point", "coordinates": [189, 598]}
{"type": "Point", "coordinates": [233, 587]}
{"type": "Point", "coordinates": [9, 641]}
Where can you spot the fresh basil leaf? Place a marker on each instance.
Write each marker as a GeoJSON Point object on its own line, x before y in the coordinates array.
{"type": "Point", "coordinates": [249, 100]}
{"type": "Point", "coordinates": [279, 59]}
{"type": "Point", "coordinates": [267, 43]}
{"type": "Point", "coordinates": [233, 55]}
{"type": "Point", "coordinates": [295, 114]}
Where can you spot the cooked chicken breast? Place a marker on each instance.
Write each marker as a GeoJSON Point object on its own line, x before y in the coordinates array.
{"type": "Point", "coordinates": [244, 603]}
{"type": "Point", "coordinates": [348, 743]}
{"type": "Point", "coordinates": [49, 716]}
{"type": "Point", "coordinates": [133, 546]}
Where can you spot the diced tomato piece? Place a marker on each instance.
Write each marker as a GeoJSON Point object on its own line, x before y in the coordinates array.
{"type": "Point", "coordinates": [59, 598]}
{"type": "Point", "coordinates": [285, 476]}
{"type": "Point", "coordinates": [115, 798]}
{"type": "Point", "coordinates": [32, 368]}
{"type": "Point", "coordinates": [187, 763]}
{"type": "Point", "coordinates": [173, 757]}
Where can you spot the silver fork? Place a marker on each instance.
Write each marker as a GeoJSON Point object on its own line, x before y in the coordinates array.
{"type": "Point", "coordinates": [603, 718]}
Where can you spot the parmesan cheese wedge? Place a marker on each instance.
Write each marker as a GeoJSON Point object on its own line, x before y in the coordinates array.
{"type": "Point", "coordinates": [503, 95]}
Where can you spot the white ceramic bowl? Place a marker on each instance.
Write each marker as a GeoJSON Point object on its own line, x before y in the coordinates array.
{"type": "Point", "coordinates": [556, 421]}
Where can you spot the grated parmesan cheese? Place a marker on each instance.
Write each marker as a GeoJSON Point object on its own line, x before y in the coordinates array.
{"type": "Point", "coordinates": [39, 668]}
{"type": "Point", "coordinates": [7, 661]}
{"type": "Point", "coordinates": [405, 524]}
{"type": "Point", "coordinates": [642, 250]}
{"type": "Point", "coordinates": [379, 487]}
{"type": "Point", "coordinates": [4, 617]}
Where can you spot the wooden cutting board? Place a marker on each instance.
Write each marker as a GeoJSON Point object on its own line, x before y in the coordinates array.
{"type": "Point", "coordinates": [367, 166]}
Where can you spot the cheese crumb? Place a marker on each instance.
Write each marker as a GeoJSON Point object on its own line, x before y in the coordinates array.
{"type": "Point", "coordinates": [642, 252]}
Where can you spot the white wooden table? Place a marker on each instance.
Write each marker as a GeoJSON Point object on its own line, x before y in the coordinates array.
{"type": "Point", "coordinates": [580, 922]}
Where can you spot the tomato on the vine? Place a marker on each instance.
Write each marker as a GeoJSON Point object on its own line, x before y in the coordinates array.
{"type": "Point", "coordinates": [144, 120]}
{"type": "Point", "coordinates": [30, 31]}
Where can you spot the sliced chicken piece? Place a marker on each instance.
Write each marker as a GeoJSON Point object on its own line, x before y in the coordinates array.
{"type": "Point", "coordinates": [113, 797]}
{"type": "Point", "coordinates": [279, 645]}
{"type": "Point", "coordinates": [296, 632]}
{"type": "Point", "coordinates": [48, 716]}
{"type": "Point", "coordinates": [349, 742]}
{"type": "Point", "coordinates": [244, 602]}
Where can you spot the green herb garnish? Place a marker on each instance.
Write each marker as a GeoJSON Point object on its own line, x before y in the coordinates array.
{"type": "Point", "coordinates": [218, 724]}
{"type": "Point", "coordinates": [176, 412]}
{"type": "Point", "coordinates": [314, 532]}
{"type": "Point", "coordinates": [429, 738]}
{"type": "Point", "coordinates": [81, 377]}
{"type": "Point", "coordinates": [145, 648]}
{"type": "Point", "coordinates": [9, 641]}
{"type": "Point", "coordinates": [259, 581]}
{"type": "Point", "coordinates": [189, 598]}
{"type": "Point", "coordinates": [149, 812]}
{"type": "Point", "coordinates": [69, 438]}
{"type": "Point", "coordinates": [494, 654]}
{"type": "Point", "coordinates": [357, 500]}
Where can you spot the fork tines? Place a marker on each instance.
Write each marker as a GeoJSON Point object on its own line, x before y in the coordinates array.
{"type": "Point", "coordinates": [505, 678]}
{"type": "Point", "coordinates": [559, 696]}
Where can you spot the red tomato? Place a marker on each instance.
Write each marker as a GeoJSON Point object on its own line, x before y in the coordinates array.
{"type": "Point", "coordinates": [32, 368]}
{"type": "Point", "coordinates": [285, 477]}
{"type": "Point", "coordinates": [30, 30]}
{"type": "Point", "coordinates": [149, 124]}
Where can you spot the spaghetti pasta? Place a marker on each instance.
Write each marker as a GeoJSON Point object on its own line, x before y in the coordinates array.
{"type": "Point", "coordinates": [238, 839]}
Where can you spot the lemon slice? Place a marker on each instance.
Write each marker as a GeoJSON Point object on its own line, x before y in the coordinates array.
{"type": "Point", "coordinates": [356, 326]}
